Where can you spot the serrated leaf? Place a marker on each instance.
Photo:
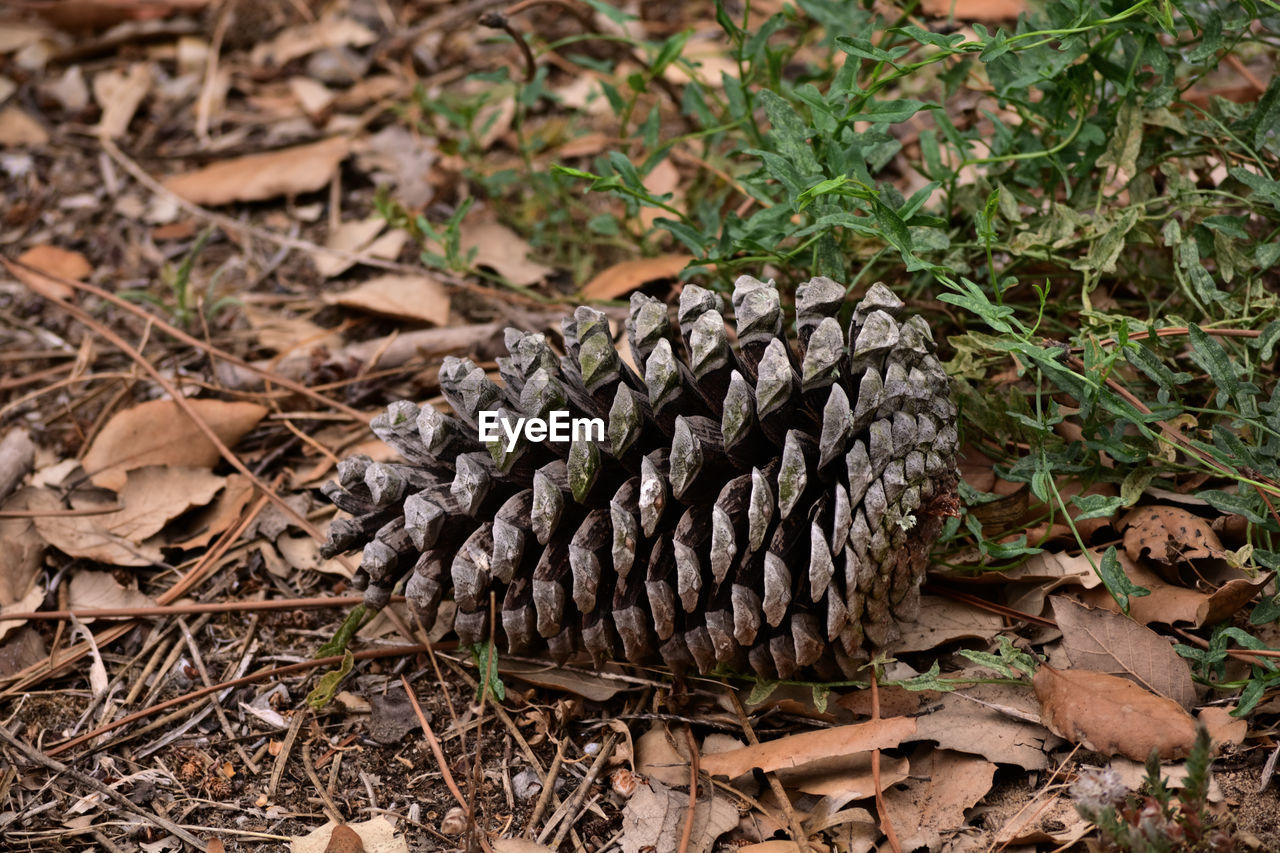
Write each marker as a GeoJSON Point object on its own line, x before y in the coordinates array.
{"type": "Point", "coordinates": [761, 691]}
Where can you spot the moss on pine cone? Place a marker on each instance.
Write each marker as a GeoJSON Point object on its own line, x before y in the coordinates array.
{"type": "Point", "coordinates": [767, 506]}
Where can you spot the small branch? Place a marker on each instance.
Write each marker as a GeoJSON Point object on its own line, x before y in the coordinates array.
{"type": "Point", "coordinates": [798, 835]}
{"type": "Point", "coordinates": [687, 833]}
{"type": "Point", "coordinates": [498, 21]}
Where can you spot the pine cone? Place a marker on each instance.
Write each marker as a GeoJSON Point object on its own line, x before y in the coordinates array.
{"type": "Point", "coordinates": [750, 507]}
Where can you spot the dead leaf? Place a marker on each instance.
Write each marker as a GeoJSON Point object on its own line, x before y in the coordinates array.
{"type": "Point", "coordinates": [377, 835]}
{"type": "Point", "coordinates": [1112, 715]}
{"type": "Point", "coordinates": [410, 297]}
{"type": "Point", "coordinates": [158, 432]}
{"type": "Point", "coordinates": [20, 130]}
{"type": "Point", "coordinates": [150, 497]}
{"type": "Point", "coordinates": [282, 333]}
{"type": "Point", "coordinates": [845, 778]}
{"type": "Point", "coordinates": [654, 818]}
{"type": "Point", "coordinates": [594, 687]}
{"type": "Point", "coordinates": [662, 179]}
{"type": "Point", "coordinates": [295, 42]}
{"type": "Point", "coordinates": [502, 250]}
{"type": "Point", "coordinates": [402, 159]}
{"type": "Point", "coordinates": [119, 96]}
{"type": "Point", "coordinates": [314, 97]}
{"type": "Point", "coordinates": [624, 277]}
{"type": "Point", "coordinates": [1170, 534]}
{"type": "Point", "coordinates": [23, 550]}
{"type": "Point", "coordinates": [942, 785]}
{"type": "Point", "coordinates": [519, 845]}
{"type": "Point", "coordinates": [303, 554]}
{"type": "Point", "coordinates": [200, 527]}
{"type": "Point", "coordinates": [661, 756]}
{"type": "Point", "coordinates": [988, 720]}
{"type": "Point", "coordinates": [257, 177]}
{"type": "Point", "coordinates": [942, 620]}
{"type": "Point", "coordinates": [1108, 642]}
{"type": "Point", "coordinates": [347, 237]}
{"type": "Point", "coordinates": [61, 263]}
{"type": "Point", "coordinates": [800, 749]}
{"type": "Point", "coordinates": [1222, 727]}
{"type": "Point", "coordinates": [1169, 604]}
{"type": "Point", "coordinates": [100, 590]}
{"type": "Point", "coordinates": [974, 10]}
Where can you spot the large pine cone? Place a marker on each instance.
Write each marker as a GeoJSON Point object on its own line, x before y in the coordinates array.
{"type": "Point", "coordinates": [751, 507]}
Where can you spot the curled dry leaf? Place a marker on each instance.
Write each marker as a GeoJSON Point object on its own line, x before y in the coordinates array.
{"type": "Point", "coordinates": [501, 249]}
{"type": "Point", "coordinates": [1170, 534]}
{"type": "Point", "coordinates": [1109, 642]}
{"type": "Point", "coordinates": [661, 756]}
{"type": "Point", "coordinates": [933, 801]}
{"type": "Point", "coordinates": [654, 818]}
{"type": "Point", "coordinates": [845, 778]}
{"type": "Point", "coordinates": [98, 590]}
{"type": "Point", "coordinates": [1222, 727]}
{"type": "Point", "coordinates": [302, 169]}
{"type": "Point", "coordinates": [1112, 715]}
{"type": "Point", "coordinates": [942, 620]}
{"type": "Point", "coordinates": [1169, 604]}
{"type": "Point", "coordinates": [159, 432]}
{"type": "Point", "coordinates": [622, 278]}
{"type": "Point", "coordinates": [800, 749]}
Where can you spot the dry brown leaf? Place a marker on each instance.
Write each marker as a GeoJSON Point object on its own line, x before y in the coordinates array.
{"type": "Point", "coordinates": [990, 720]}
{"type": "Point", "coordinates": [408, 297]}
{"type": "Point", "coordinates": [519, 845]}
{"type": "Point", "coordinates": [303, 554]}
{"type": "Point", "coordinates": [1170, 534]}
{"type": "Point", "coordinates": [257, 177]}
{"type": "Point", "coordinates": [974, 10]}
{"type": "Point", "coordinates": [942, 785]}
{"type": "Point", "coordinates": [845, 778]}
{"type": "Point", "coordinates": [942, 620]}
{"type": "Point", "coordinates": [1112, 715]}
{"type": "Point", "coordinates": [23, 549]}
{"type": "Point", "coordinates": [1222, 727]}
{"type": "Point", "coordinates": [281, 333]}
{"type": "Point", "coordinates": [20, 130]}
{"type": "Point", "coordinates": [800, 749]}
{"type": "Point", "coordinates": [313, 96]}
{"type": "Point", "coordinates": [1109, 642]}
{"type": "Point", "coordinates": [662, 179]}
{"type": "Point", "coordinates": [594, 687]}
{"type": "Point", "coordinates": [20, 651]}
{"type": "Point", "coordinates": [502, 250]}
{"type": "Point", "coordinates": [62, 263]}
{"type": "Point", "coordinates": [199, 528]}
{"type": "Point", "coordinates": [295, 42]}
{"type": "Point", "coordinates": [100, 590]}
{"type": "Point", "coordinates": [119, 96]}
{"type": "Point", "coordinates": [654, 818]}
{"type": "Point", "coordinates": [624, 277]}
{"type": "Point", "coordinates": [158, 432]}
{"type": "Point", "coordinates": [377, 835]}
{"type": "Point", "coordinates": [347, 237]}
{"type": "Point", "coordinates": [586, 145]}
{"type": "Point", "coordinates": [661, 756]}
{"type": "Point", "coordinates": [1058, 568]}
{"type": "Point", "coordinates": [150, 497]}
{"type": "Point", "coordinates": [1169, 604]}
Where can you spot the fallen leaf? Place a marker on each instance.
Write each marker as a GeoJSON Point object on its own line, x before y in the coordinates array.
{"type": "Point", "coordinates": [100, 591]}
{"type": "Point", "coordinates": [282, 333]}
{"type": "Point", "coordinates": [61, 263]}
{"type": "Point", "coordinates": [347, 237]}
{"type": "Point", "coordinates": [797, 750]}
{"type": "Point", "coordinates": [256, 177]}
{"type": "Point", "coordinates": [314, 97]}
{"type": "Point", "coordinates": [662, 179]}
{"type": "Point", "coordinates": [1170, 534]}
{"type": "Point", "coordinates": [1026, 819]}
{"type": "Point", "coordinates": [1222, 727]}
{"type": "Point", "coordinates": [933, 801]}
{"type": "Point", "coordinates": [1103, 641]}
{"type": "Point", "coordinates": [1169, 604]}
{"type": "Point", "coordinates": [990, 720]}
{"type": "Point", "coordinates": [845, 778]}
{"type": "Point", "coordinates": [410, 297]}
{"type": "Point", "coordinates": [119, 96]}
{"type": "Point", "coordinates": [942, 620]}
{"type": "Point", "coordinates": [654, 818]}
{"type": "Point", "coordinates": [158, 432]}
{"type": "Point", "coordinates": [974, 10]}
{"type": "Point", "coordinates": [295, 42]}
{"type": "Point", "coordinates": [1112, 715]}
{"type": "Point", "coordinates": [502, 250]}
{"type": "Point", "coordinates": [150, 497]}
{"type": "Point", "coordinates": [401, 159]}
{"type": "Point", "coordinates": [519, 845]}
{"type": "Point", "coordinates": [1059, 568]}
{"type": "Point", "coordinates": [377, 835]}
{"type": "Point", "coordinates": [200, 527]}
{"type": "Point", "coordinates": [20, 130]}
{"type": "Point", "coordinates": [21, 650]}
{"type": "Point", "coordinates": [23, 550]}
{"type": "Point", "coordinates": [303, 554]}
{"type": "Point", "coordinates": [597, 688]}
{"type": "Point", "coordinates": [661, 756]}
{"type": "Point", "coordinates": [624, 277]}
{"type": "Point", "coordinates": [391, 717]}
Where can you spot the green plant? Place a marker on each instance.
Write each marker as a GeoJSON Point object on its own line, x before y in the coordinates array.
{"type": "Point", "coordinates": [1155, 819]}
{"type": "Point", "coordinates": [184, 306]}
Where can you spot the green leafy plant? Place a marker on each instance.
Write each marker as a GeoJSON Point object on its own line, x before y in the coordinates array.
{"type": "Point", "coordinates": [1156, 819]}
{"type": "Point", "coordinates": [185, 306]}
